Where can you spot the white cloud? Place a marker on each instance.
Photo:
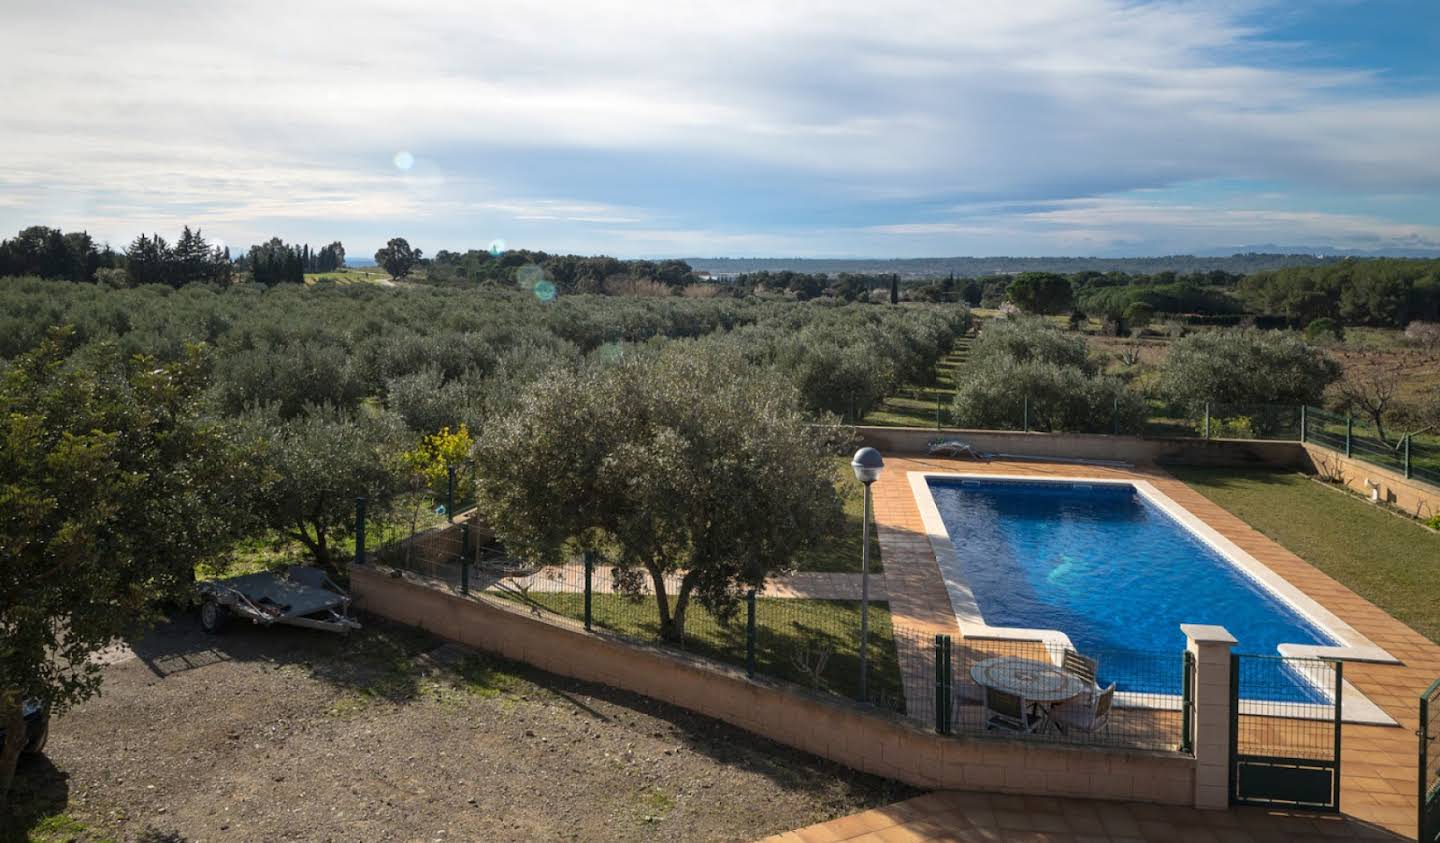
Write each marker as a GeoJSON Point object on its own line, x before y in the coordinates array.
{"type": "Point", "coordinates": [267, 116]}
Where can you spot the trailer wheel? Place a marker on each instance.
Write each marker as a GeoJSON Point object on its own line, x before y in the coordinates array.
{"type": "Point", "coordinates": [37, 736]}
{"type": "Point", "coordinates": [213, 617]}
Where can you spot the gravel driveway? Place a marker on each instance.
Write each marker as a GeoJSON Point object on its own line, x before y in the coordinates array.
{"type": "Point", "coordinates": [391, 734]}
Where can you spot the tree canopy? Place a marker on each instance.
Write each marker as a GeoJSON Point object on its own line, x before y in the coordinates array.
{"type": "Point", "coordinates": [1027, 368]}
{"type": "Point", "coordinates": [1244, 367]}
{"type": "Point", "coordinates": [114, 486]}
{"type": "Point", "coordinates": [698, 475]}
{"type": "Point", "coordinates": [397, 257]}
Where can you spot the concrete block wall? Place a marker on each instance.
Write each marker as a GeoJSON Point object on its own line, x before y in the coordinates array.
{"type": "Point", "coordinates": [1410, 496]}
{"type": "Point", "coordinates": [860, 738]}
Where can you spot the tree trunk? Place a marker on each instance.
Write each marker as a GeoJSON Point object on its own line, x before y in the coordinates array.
{"type": "Point", "coordinates": [662, 600]}
{"type": "Point", "coordinates": [317, 546]}
{"type": "Point", "coordinates": [672, 622]}
{"type": "Point", "coordinates": [1379, 420]}
{"type": "Point", "coordinates": [14, 718]}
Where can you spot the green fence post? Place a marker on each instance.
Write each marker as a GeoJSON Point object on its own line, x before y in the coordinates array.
{"type": "Point", "coordinates": [1207, 419]}
{"type": "Point", "coordinates": [937, 411]}
{"type": "Point", "coordinates": [1115, 417]}
{"type": "Point", "coordinates": [1407, 456]}
{"type": "Point", "coordinates": [942, 684]}
{"type": "Point", "coordinates": [1303, 419]}
{"type": "Point", "coordinates": [750, 635]}
{"type": "Point", "coordinates": [464, 558]}
{"type": "Point", "coordinates": [1349, 431]}
{"type": "Point", "coordinates": [360, 530]}
{"type": "Point", "coordinates": [1026, 417]}
{"type": "Point", "coordinates": [1339, 719]}
{"type": "Point", "coordinates": [1187, 703]}
{"type": "Point", "coordinates": [589, 590]}
{"type": "Point", "coordinates": [449, 493]}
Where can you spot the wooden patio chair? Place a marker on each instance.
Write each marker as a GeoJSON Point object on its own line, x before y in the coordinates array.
{"type": "Point", "coordinates": [1007, 711]}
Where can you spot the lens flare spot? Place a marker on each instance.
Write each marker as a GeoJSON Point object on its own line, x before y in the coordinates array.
{"type": "Point", "coordinates": [497, 248]}
{"type": "Point", "coordinates": [404, 160]}
{"type": "Point", "coordinates": [545, 291]}
{"type": "Point", "coordinates": [529, 275]}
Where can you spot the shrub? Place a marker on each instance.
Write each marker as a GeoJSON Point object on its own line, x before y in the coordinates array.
{"type": "Point", "coordinates": [1324, 329]}
{"type": "Point", "coordinates": [1424, 334]}
{"type": "Point", "coordinates": [1244, 366]}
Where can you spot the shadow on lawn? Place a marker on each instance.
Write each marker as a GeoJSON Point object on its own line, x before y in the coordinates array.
{"type": "Point", "coordinates": [1225, 478]}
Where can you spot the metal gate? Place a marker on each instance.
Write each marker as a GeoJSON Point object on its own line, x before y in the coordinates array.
{"type": "Point", "coordinates": [1429, 764]}
{"type": "Point", "coordinates": [1285, 732]}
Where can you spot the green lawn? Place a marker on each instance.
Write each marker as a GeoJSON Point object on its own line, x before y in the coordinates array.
{"type": "Point", "coordinates": [351, 275]}
{"type": "Point", "coordinates": [784, 628]}
{"type": "Point", "coordinates": [841, 551]}
{"type": "Point", "coordinates": [915, 406]}
{"type": "Point", "coordinates": [1392, 562]}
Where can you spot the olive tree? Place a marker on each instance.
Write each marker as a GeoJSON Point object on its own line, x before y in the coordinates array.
{"type": "Point", "coordinates": [1027, 364]}
{"type": "Point", "coordinates": [670, 465]}
{"type": "Point", "coordinates": [113, 487]}
{"type": "Point", "coordinates": [312, 468]}
{"type": "Point", "coordinates": [1244, 366]}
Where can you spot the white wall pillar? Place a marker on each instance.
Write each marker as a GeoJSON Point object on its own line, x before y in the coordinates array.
{"type": "Point", "coordinates": [1210, 645]}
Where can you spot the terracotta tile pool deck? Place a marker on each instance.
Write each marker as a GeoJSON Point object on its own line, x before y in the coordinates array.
{"type": "Point", "coordinates": [1378, 763]}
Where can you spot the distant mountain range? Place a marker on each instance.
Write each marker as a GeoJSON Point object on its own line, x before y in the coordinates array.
{"type": "Point", "coordinates": [1240, 263]}
{"type": "Point", "coordinates": [1240, 259]}
{"type": "Point", "coordinates": [1327, 251]}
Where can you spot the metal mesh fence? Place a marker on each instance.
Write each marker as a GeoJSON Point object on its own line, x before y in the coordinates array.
{"type": "Point", "coordinates": [1429, 778]}
{"type": "Point", "coordinates": [1285, 732]}
{"type": "Point", "coordinates": [1049, 692]}
{"type": "Point", "coordinates": [1286, 706]}
{"type": "Point", "coordinates": [812, 641]}
{"type": "Point", "coordinates": [1410, 455]}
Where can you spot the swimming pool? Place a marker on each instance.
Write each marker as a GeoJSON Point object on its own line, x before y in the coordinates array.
{"type": "Point", "coordinates": [1107, 567]}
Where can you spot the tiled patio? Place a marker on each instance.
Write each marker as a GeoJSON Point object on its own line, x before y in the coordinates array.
{"type": "Point", "coordinates": [1378, 763]}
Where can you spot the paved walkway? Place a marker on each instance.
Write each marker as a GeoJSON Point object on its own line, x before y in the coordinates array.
{"type": "Point", "coordinates": [809, 585]}
{"type": "Point", "coordinates": [966, 817]}
{"type": "Point", "coordinates": [1378, 763]}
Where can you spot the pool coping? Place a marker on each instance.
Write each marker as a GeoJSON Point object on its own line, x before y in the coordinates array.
{"type": "Point", "coordinates": [1356, 707]}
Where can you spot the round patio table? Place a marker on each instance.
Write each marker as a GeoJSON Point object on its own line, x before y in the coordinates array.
{"type": "Point", "coordinates": [1035, 681]}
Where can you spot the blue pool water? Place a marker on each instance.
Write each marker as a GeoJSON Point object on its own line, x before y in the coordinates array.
{"type": "Point", "coordinates": [1114, 573]}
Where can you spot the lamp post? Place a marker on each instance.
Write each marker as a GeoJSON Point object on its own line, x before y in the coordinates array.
{"type": "Point", "coordinates": [867, 464]}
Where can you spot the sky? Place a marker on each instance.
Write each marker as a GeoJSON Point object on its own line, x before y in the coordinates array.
{"type": "Point", "coordinates": [659, 128]}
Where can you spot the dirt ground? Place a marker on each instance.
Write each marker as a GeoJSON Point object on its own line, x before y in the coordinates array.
{"type": "Point", "coordinates": [391, 734]}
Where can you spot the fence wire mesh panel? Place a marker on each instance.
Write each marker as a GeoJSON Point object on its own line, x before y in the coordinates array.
{"type": "Point", "coordinates": [427, 545]}
{"type": "Point", "coordinates": [1429, 764]}
{"type": "Point", "coordinates": [1255, 421]}
{"type": "Point", "coordinates": [808, 641]}
{"type": "Point", "coordinates": [1285, 732]}
{"type": "Point", "coordinates": [1416, 456]}
{"type": "Point", "coordinates": [1044, 691]}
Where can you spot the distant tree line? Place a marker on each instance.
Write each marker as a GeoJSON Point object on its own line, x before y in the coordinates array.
{"type": "Point", "coordinates": [150, 260]}
{"type": "Point", "coordinates": [984, 267]}
{"type": "Point", "coordinates": [51, 253]}
{"type": "Point", "coordinates": [1389, 292]}
{"type": "Point", "coordinates": [804, 286]}
{"type": "Point", "coordinates": [569, 273]}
